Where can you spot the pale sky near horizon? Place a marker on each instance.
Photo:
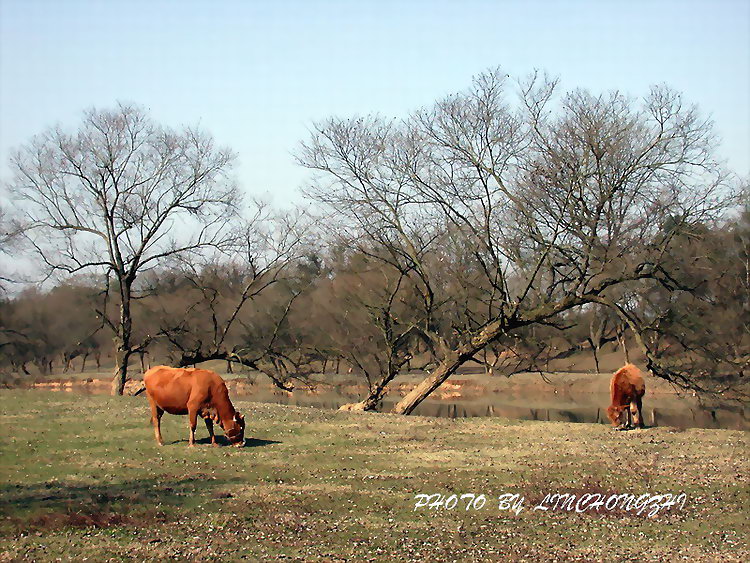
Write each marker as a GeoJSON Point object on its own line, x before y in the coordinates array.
{"type": "Point", "coordinates": [257, 74]}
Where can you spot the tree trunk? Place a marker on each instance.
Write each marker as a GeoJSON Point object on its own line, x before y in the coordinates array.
{"type": "Point", "coordinates": [196, 357]}
{"type": "Point", "coordinates": [448, 366]}
{"type": "Point", "coordinates": [371, 402]}
{"type": "Point", "coordinates": [595, 352]}
{"type": "Point", "coordinates": [443, 371]}
{"type": "Point", "coordinates": [122, 357]}
{"type": "Point", "coordinates": [142, 355]}
{"type": "Point", "coordinates": [624, 345]}
{"type": "Point", "coordinates": [122, 341]}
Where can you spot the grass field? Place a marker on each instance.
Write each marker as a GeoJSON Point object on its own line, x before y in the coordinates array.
{"type": "Point", "coordinates": [82, 478]}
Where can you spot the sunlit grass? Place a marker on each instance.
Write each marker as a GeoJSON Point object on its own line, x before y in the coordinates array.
{"type": "Point", "coordinates": [83, 477]}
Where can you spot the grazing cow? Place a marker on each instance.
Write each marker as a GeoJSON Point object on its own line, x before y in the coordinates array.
{"type": "Point", "coordinates": [626, 390]}
{"type": "Point", "coordinates": [194, 392]}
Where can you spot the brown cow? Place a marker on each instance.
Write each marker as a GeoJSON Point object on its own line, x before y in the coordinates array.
{"type": "Point", "coordinates": [193, 392]}
{"type": "Point", "coordinates": [626, 391]}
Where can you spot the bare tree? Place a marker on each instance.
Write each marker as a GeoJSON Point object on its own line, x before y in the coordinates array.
{"type": "Point", "coordinates": [233, 306]}
{"type": "Point", "coordinates": [554, 207]}
{"type": "Point", "coordinates": [603, 327]}
{"type": "Point", "coordinates": [87, 346]}
{"type": "Point", "coordinates": [8, 335]}
{"type": "Point", "coordinates": [697, 329]}
{"type": "Point", "coordinates": [367, 314]}
{"type": "Point", "coordinates": [10, 235]}
{"type": "Point", "coordinates": [121, 195]}
{"type": "Point", "coordinates": [39, 326]}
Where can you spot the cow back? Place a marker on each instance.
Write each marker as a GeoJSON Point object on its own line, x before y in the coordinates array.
{"type": "Point", "coordinates": [173, 388]}
{"type": "Point", "coordinates": [626, 384]}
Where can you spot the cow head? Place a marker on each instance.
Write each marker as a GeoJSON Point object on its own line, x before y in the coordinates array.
{"type": "Point", "coordinates": [235, 432]}
{"type": "Point", "coordinates": [615, 414]}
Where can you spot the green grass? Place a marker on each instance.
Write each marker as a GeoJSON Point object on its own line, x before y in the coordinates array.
{"type": "Point", "coordinates": [81, 477]}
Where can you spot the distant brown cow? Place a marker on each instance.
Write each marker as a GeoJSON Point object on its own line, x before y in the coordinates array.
{"type": "Point", "coordinates": [626, 391]}
{"type": "Point", "coordinates": [193, 392]}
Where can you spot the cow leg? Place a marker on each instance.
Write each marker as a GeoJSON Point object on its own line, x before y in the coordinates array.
{"type": "Point", "coordinates": [622, 420]}
{"type": "Point", "coordinates": [156, 414]}
{"type": "Point", "coordinates": [193, 419]}
{"type": "Point", "coordinates": [629, 416]}
{"type": "Point", "coordinates": [210, 428]}
{"type": "Point", "coordinates": [639, 412]}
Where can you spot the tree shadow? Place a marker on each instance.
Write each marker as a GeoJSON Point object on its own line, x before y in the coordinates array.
{"type": "Point", "coordinates": [60, 504]}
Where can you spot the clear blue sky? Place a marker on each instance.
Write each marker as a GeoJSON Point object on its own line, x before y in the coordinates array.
{"type": "Point", "coordinates": [256, 74]}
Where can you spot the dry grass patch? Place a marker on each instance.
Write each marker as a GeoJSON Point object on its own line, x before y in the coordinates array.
{"type": "Point", "coordinates": [322, 485]}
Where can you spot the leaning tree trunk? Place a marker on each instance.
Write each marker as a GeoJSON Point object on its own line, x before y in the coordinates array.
{"type": "Point", "coordinates": [371, 402]}
{"type": "Point", "coordinates": [191, 358]}
{"type": "Point", "coordinates": [448, 366]}
{"type": "Point", "coordinates": [443, 371]}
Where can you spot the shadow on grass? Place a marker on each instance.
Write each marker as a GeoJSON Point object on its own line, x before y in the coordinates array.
{"type": "Point", "coordinates": [223, 442]}
{"type": "Point", "coordinates": [42, 506]}
{"type": "Point", "coordinates": [631, 428]}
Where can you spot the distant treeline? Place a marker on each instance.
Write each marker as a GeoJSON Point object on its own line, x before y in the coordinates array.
{"type": "Point", "coordinates": [506, 224]}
